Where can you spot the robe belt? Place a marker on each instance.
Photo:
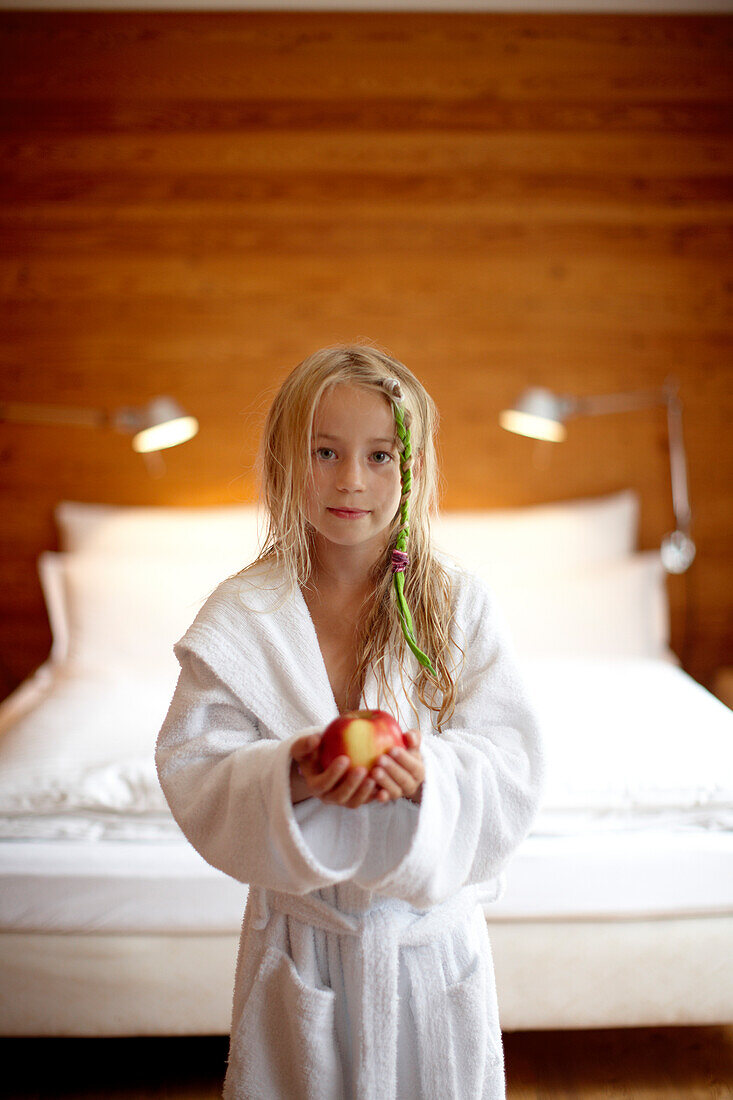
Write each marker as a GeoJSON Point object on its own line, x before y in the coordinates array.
{"type": "Point", "coordinates": [376, 958]}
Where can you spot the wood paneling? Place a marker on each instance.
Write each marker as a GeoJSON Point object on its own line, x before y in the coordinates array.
{"type": "Point", "coordinates": [190, 203]}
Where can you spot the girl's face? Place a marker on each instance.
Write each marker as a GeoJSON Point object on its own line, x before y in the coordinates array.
{"type": "Point", "coordinates": [356, 485]}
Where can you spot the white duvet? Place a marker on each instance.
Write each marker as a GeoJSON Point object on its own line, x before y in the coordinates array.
{"type": "Point", "coordinates": [76, 758]}
{"type": "Point", "coordinates": [630, 743]}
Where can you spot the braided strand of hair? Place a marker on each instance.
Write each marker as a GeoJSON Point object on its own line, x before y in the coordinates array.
{"type": "Point", "coordinates": [400, 558]}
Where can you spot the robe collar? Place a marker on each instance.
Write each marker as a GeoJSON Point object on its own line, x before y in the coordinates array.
{"type": "Point", "coordinates": [256, 633]}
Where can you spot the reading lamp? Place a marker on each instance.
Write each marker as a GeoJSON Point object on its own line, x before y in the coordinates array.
{"type": "Point", "coordinates": [541, 414]}
{"type": "Point", "coordinates": [161, 423]}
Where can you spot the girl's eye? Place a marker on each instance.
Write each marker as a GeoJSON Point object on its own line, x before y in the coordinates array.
{"type": "Point", "coordinates": [382, 457]}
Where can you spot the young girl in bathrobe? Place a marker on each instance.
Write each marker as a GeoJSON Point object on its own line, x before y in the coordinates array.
{"type": "Point", "coordinates": [364, 968]}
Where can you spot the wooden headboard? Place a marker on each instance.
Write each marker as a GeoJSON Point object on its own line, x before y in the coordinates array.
{"type": "Point", "coordinates": [191, 203]}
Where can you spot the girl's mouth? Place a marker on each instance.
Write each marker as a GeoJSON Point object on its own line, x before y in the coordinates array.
{"type": "Point", "coordinates": [347, 513]}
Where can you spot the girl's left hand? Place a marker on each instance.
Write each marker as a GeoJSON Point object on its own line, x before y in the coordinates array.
{"type": "Point", "coordinates": [400, 773]}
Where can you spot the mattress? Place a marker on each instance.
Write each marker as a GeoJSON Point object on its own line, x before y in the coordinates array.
{"type": "Point", "coordinates": [112, 924]}
{"type": "Point", "coordinates": [158, 888]}
{"type": "Point", "coordinates": [636, 821]}
{"type": "Point", "coordinates": [631, 744]}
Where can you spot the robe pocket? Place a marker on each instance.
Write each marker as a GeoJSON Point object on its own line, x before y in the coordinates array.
{"type": "Point", "coordinates": [284, 1044]}
{"type": "Point", "coordinates": [474, 1027]}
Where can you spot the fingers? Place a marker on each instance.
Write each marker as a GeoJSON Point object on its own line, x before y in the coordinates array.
{"type": "Point", "coordinates": [399, 773]}
{"type": "Point", "coordinates": [339, 783]}
{"type": "Point", "coordinates": [344, 785]}
{"type": "Point", "coordinates": [394, 776]}
{"type": "Point", "coordinates": [323, 782]}
{"type": "Point", "coordinates": [302, 746]}
{"type": "Point", "coordinates": [363, 792]}
{"type": "Point", "coordinates": [412, 738]}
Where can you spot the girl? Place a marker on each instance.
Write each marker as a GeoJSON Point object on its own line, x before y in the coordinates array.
{"type": "Point", "coordinates": [364, 966]}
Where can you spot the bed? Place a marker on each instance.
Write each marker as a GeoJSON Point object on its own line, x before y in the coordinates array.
{"type": "Point", "coordinates": [617, 909]}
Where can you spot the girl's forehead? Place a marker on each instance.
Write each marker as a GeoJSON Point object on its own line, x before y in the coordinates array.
{"type": "Point", "coordinates": [353, 407]}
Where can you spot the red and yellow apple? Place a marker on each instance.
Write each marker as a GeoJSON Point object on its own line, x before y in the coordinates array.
{"type": "Point", "coordinates": [362, 735]}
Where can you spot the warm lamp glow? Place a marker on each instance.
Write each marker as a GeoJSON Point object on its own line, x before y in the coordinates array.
{"type": "Point", "coordinates": [168, 434]}
{"type": "Point", "coordinates": [537, 427]}
{"type": "Point", "coordinates": [537, 413]}
{"type": "Point", "coordinates": [162, 423]}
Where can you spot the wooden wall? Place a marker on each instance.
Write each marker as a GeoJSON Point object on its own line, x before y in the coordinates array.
{"type": "Point", "coordinates": [193, 202]}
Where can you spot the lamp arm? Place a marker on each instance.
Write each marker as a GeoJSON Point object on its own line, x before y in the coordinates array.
{"type": "Point", "coordinates": [678, 549]}
{"type": "Point", "coordinates": [677, 459]}
{"type": "Point", "coordinates": [644, 399]}
{"type": "Point", "coordinates": [616, 402]}
{"type": "Point", "coordinates": [26, 413]}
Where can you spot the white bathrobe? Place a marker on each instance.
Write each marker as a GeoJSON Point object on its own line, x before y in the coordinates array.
{"type": "Point", "coordinates": [364, 967]}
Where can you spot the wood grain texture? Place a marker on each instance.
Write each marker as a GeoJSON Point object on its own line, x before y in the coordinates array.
{"type": "Point", "coordinates": [190, 203]}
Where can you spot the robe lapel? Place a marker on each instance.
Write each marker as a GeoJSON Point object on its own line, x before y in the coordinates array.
{"type": "Point", "coordinates": [288, 658]}
{"type": "Point", "coordinates": [262, 636]}
{"type": "Point", "coordinates": [256, 634]}
{"type": "Point", "coordinates": [293, 616]}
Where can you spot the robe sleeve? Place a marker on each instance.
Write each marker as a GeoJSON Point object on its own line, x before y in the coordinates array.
{"type": "Point", "coordinates": [228, 788]}
{"type": "Point", "coordinates": [483, 777]}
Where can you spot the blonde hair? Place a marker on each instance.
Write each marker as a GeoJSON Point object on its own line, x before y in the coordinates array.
{"type": "Point", "coordinates": [284, 468]}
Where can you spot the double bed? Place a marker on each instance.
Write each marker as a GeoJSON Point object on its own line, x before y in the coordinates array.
{"type": "Point", "coordinates": [617, 909]}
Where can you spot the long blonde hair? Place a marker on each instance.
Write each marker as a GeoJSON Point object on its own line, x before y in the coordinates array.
{"type": "Point", "coordinates": [284, 467]}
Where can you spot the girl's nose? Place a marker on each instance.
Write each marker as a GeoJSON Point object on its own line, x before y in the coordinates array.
{"type": "Point", "coordinates": [351, 475]}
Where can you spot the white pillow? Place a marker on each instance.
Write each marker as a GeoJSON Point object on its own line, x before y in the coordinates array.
{"type": "Point", "coordinates": [180, 532]}
{"type": "Point", "coordinates": [124, 613]}
{"type": "Point", "coordinates": [558, 535]}
{"type": "Point", "coordinates": [614, 609]}
{"type": "Point", "coordinates": [562, 533]}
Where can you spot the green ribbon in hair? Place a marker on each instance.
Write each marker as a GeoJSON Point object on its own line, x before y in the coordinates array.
{"type": "Point", "coordinates": [400, 559]}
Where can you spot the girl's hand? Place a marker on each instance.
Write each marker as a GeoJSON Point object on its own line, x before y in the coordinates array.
{"type": "Point", "coordinates": [401, 772]}
{"type": "Point", "coordinates": [339, 784]}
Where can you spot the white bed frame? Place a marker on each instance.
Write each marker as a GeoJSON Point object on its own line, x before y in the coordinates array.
{"type": "Point", "coordinates": [549, 974]}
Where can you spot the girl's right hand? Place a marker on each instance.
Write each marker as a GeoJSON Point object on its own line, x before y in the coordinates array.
{"type": "Point", "coordinates": [340, 784]}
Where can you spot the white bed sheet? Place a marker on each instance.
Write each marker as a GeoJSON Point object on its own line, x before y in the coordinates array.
{"type": "Point", "coordinates": [113, 887]}
{"type": "Point", "coordinates": [632, 743]}
{"type": "Point", "coordinates": [637, 818]}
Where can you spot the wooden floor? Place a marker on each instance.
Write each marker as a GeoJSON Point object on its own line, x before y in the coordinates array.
{"type": "Point", "coordinates": [633, 1064]}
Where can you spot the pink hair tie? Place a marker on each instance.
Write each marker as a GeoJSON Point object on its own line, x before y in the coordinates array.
{"type": "Point", "coordinates": [400, 560]}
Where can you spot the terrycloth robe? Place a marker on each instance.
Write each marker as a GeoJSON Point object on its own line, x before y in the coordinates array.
{"type": "Point", "coordinates": [365, 966]}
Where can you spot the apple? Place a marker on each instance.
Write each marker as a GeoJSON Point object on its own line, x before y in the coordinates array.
{"type": "Point", "coordinates": [362, 735]}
